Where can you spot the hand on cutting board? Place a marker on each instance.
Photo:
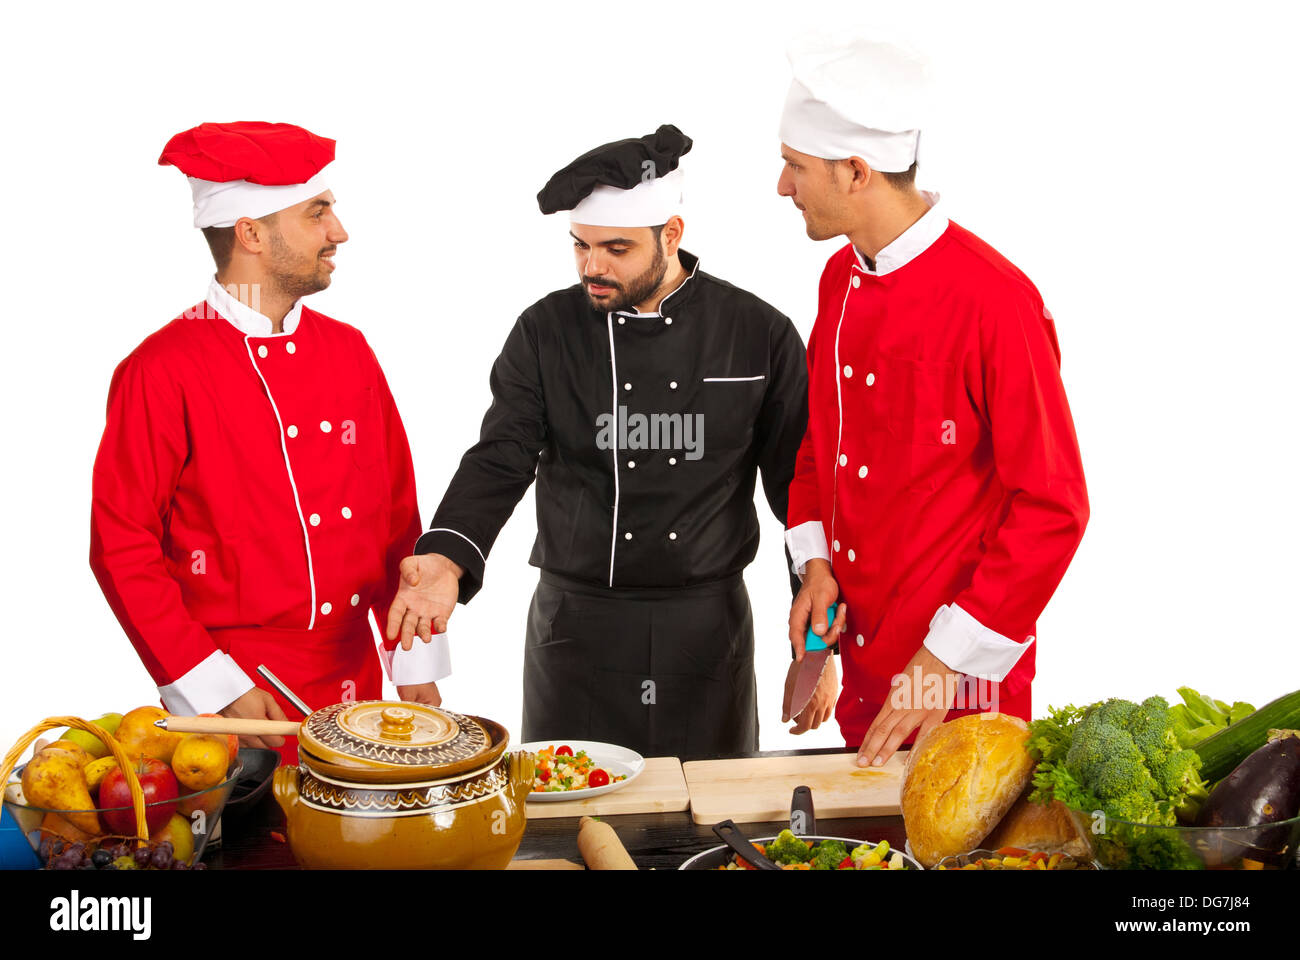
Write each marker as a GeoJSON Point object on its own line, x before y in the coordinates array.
{"type": "Point", "coordinates": [426, 597]}
{"type": "Point", "coordinates": [256, 704]}
{"type": "Point", "coordinates": [822, 704]}
{"type": "Point", "coordinates": [818, 592]}
{"type": "Point", "coordinates": [897, 719]}
{"type": "Point", "coordinates": [421, 693]}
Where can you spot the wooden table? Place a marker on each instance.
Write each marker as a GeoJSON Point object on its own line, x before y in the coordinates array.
{"type": "Point", "coordinates": [660, 841]}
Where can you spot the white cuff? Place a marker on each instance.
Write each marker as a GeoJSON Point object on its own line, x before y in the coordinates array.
{"type": "Point", "coordinates": [423, 663]}
{"type": "Point", "coordinates": [967, 646]}
{"type": "Point", "coordinates": [806, 542]}
{"type": "Point", "coordinates": [213, 685]}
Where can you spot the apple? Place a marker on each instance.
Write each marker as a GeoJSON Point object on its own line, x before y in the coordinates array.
{"type": "Point", "coordinates": [160, 793]}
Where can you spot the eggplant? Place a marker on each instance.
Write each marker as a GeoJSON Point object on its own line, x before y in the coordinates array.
{"type": "Point", "coordinates": [1263, 789]}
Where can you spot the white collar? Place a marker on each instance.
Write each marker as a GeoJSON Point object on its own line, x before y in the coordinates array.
{"type": "Point", "coordinates": [248, 320]}
{"type": "Point", "coordinates": [660, 312]}
{"type": "Point", "coordinates": [911, 242]}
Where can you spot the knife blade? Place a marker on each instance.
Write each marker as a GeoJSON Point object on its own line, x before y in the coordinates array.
{"type": "Point", "coordinates": [809, 672]}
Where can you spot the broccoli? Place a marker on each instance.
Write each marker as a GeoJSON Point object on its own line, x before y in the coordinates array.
{"type": "Point", "coordinates": [787, 848]}
{"type": "Point", "coordinates": [829, 855]}
{"type": "Point", "coordinates": [1123, 755]}
{"type": "Point", "coordinates": [1152, 729]}
{"type": "Point", "coordinates": [1104, 757]}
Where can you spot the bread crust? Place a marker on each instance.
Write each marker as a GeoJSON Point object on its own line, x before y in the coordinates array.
{"type": "Point", "coordinates": [960, 779]}
{"type": "Point", "coordinates": [1035, 826]}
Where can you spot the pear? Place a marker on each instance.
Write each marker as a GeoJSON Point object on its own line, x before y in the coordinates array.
{"type": "Point", "coordinates": [54, 780]}
{"type": "Point", "coordinates": [70, 747]}
{"type": "Point", "coordinates": [88, 741]}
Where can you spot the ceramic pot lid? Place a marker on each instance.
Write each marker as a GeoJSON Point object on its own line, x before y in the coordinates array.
{"type": "Point", "coordinates": [384, 741]}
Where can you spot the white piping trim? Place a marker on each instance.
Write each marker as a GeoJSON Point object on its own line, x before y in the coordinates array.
{"type": "Point", "coordinates": [839, 402]}
{"type": "Point", "coordinates": [660, 311]}
{"type": "Point", "coordinates": [311, 576]}
{"type": "Point", "coordinates": [761, 376]}
{"type": "Point", "coordinates": [613, 365]}
{"type": "Point", "coordinates": [462, 536]}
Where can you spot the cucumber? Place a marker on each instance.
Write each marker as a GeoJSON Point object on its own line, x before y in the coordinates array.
{"type": "Point", "coordinates": [1221, 753]}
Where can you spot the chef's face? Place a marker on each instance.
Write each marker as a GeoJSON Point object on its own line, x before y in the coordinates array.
{"type": "Point", "coordinates": [815, 188]}
{"type": "Point", "coordinates": [618, 267]}
{"type": "Point", "coordinates": [302, 240]}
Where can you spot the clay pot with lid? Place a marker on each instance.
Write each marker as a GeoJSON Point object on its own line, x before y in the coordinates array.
{"type": "Point", "coordinates": [391, 785]}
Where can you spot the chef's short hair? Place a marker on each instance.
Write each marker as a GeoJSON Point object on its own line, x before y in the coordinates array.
{"type": "Point", "coordinates": [899, 181]}
{"type": "Point", "coordinates": [221, 240]}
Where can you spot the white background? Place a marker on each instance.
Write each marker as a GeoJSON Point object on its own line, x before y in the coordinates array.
{"type": "Point", "coordinates": [1137, 161]}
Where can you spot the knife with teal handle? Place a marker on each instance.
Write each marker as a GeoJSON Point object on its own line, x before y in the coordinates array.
{"type": "Point", "coordinates": [816, 653]}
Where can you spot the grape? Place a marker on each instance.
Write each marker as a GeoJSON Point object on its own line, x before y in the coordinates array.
{"type": "Point", "coordinates": [46, 849]}
{"type": "Point", "coordinates": [77, 848]}
{"type": "Point", "coordinates": [142, 856]}
{"type": "Point", "coordinates": [180, 865]}
{"type": "Point", "coordinates": [56, 847]}
{"type": "Point", "coordinates": [102, 858]}
{"type": "Point", "coordinates": [199, 866]}
{"type": "Point", "coordinates": [162, 857]}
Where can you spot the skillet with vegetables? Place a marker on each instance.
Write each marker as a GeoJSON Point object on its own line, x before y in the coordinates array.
{"type": "Point", "coordinates": [796, 853]}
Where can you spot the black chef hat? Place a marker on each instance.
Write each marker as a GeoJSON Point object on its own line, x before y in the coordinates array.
{"type": "Point", "coordinates": [627, 183]}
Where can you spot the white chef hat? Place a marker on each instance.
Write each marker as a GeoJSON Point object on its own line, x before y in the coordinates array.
{"type": "Point", "coordinates": [854, 97]}
{"type": "Point", "coordinates": [653, 201]}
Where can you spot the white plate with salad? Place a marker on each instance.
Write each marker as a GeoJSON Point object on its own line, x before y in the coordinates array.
{"type": "Point", "coordinates": [580, 769]}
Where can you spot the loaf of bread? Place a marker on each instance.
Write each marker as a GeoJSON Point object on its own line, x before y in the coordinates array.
{"type": "Point", "coordinates": [960, 779]}
{"type": "Point", "coordinates": [1038, 827]}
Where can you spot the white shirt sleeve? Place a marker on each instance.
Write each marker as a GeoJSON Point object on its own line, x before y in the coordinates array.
{"type": "Point", "coordinates": [806, 542]}
{"type": "Point", "coordinates": [211, 686]}
{"type": "Point", "coordinates": [967, 646]}
{"type": "Point", "coordinates": [423, 663]}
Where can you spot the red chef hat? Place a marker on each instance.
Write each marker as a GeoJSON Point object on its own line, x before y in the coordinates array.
{"type": "Point", "coordinates": [248, 169]}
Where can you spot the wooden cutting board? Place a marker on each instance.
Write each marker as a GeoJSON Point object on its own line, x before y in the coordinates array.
{"type": "Point", "coordinates": [758, 789]}
{"type": "Point", "coordinates": [544, 865]}
{"type": "Point", "coordinates": [661, 788]}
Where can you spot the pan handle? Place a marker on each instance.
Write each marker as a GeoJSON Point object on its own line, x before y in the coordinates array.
{"type": "Point", "coordinates": [803, 818]}
{"type": "Point", "coordinates": [730, 834]}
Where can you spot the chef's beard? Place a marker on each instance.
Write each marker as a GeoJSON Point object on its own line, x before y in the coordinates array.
{"type": "Point", "coordinates": [626, 297]}
{"type": "Point", "coordinates": [293, 274]}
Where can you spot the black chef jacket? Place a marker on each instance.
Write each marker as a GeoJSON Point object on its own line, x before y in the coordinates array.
{"type": "Point", "coordinates": [644, 432]}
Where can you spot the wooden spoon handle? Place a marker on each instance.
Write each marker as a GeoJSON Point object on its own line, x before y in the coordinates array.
{"type": "Point", "coordinates": [245, 728]}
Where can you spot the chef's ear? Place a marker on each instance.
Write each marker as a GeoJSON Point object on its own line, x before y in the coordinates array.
{"type": "Point", "coordinates": [252, 236]}
{"type": "Point", "coordinates": [670, 234]}
{"type": "Point", "coordinates": [856, 173]}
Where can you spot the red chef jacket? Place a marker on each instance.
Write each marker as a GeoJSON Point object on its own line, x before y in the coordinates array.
{"type": "Point", "coordinates": [253, 496]}
{"type": "Point", "coordinates": [940, 473]}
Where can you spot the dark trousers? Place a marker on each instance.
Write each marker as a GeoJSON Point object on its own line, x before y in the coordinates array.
{"type": "Point", "coordinates": [666, 672]}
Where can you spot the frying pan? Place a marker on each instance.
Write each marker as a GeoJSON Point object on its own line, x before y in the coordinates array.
{"type": "Point", "coordinates": [803, 823]}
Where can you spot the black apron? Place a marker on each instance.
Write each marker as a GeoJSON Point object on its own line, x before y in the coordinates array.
{"type": "Point", "coordinates": [665, 672]}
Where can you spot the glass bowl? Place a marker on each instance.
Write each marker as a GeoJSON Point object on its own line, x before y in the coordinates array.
{"type": "Point", "coordinates": [199, 811]}
{"type": "Point", "coordinates": [1121, 845]}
